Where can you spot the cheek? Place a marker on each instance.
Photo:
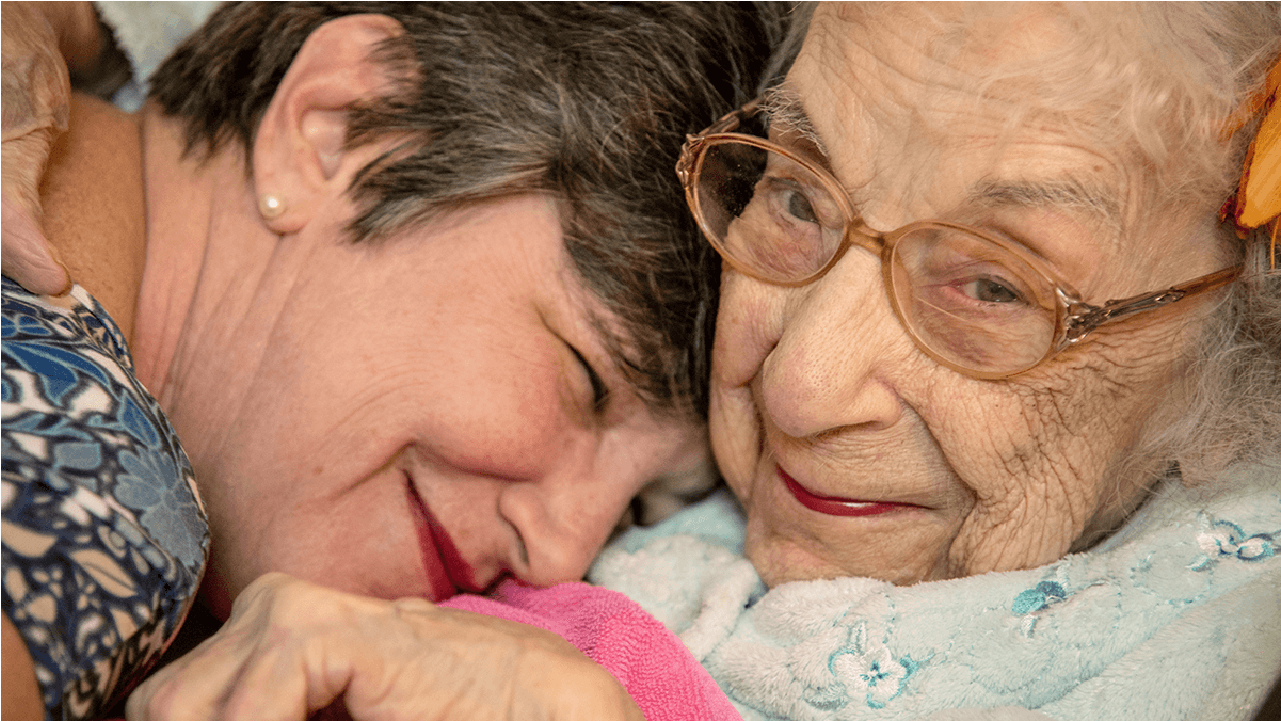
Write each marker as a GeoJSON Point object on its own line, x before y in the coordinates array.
{"type": "Point", "coordinates": [747, 327]}
{"type": "Point", "coordinates": [501, 419]}
{"type": "Point", "coordinates": [1044, 454]}
{"type": "Point", "coordinates": [1087, 407]}
{"type": "Point", "coordinates": [735, 438]}
{"type": "Point", "coordinates": [1107, 393]}
{"type": "Point", "coordinates": [749, 322]}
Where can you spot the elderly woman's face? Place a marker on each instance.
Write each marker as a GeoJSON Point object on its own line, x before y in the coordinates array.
{"type": "Point", "coordinates": [431, 412]}
{"type": "Point", "coordinates": [819, 392]}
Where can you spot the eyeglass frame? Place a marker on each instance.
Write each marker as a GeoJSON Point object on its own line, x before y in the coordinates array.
{"type": "Point", "coordinates": [1074, 320]}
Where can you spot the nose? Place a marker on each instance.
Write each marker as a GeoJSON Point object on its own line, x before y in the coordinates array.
{"type": "Point", "coordinates": [839, 347]}
{"type": "Point", "coordinates": [563, 522]}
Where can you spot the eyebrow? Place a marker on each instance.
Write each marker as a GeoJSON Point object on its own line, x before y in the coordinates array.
{"type": "Point", "coordinates": [628, 363]}
{"type": "Point", "coordinates": [1071, 194]}
{"type": "Point", "coordinates": [784, 109]}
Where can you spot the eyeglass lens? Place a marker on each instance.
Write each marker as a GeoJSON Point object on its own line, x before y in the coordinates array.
{"type": "Point", "coordinates": [966, 300]}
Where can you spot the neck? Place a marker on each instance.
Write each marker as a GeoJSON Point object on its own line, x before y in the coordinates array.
{"type": "Point", "coordinates": [178, 213]}
{"type": "Point", "coordinates": [140, 242]}
{"type": "Point", "coordinates": [194, 292]}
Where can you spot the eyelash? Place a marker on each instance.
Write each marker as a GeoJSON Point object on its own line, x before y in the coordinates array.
{"type": "Point", "coordinates": [600, 392]}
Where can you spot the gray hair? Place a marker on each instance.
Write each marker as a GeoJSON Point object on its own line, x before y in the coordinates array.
{"type": "Point", "coordinates": [1197, 63]}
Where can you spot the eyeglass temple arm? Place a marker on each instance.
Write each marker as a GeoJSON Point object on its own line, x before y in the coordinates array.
{"type": "Point", "coordinates": [1083, 318]}
{"type": "Point", "coordinates": [727, 124]}
{"type": "Point", "coordinates": [729, 121]}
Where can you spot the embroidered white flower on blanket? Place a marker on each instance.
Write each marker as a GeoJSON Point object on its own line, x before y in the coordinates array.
{"type": "Point", "coordinates": [870, 670]}
{"type": "Point", "coordinates": [877, 675]}
{"type": "Point", "coordinates": [1220, 538]}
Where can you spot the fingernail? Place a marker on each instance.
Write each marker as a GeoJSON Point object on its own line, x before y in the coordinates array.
{"type": "Point", "coordinates": [57, 258]}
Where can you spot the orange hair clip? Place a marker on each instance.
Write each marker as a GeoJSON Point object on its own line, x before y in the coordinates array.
{"type": "Point", "coordinates": [1257, 202]}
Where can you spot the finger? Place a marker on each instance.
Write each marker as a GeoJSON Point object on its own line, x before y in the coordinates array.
{"type": "Point", "coordinates": [192, 688]}
{"type": "Point", "coordinates": [36, 84]}
{"type": "Point", "coordinates": [196, 686]}
{"type": "Point", "coordinates": [25, 253]}
{"type": "Point", "coordinates": [291, 680]}
{"type": "Point", "coordinates": [302, 660]}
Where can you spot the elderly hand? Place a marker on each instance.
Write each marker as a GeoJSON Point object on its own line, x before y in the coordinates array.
{"type": "Point", "coordinates": [292, 648]}
{"type": "Point", "coordinates": [36, 92]}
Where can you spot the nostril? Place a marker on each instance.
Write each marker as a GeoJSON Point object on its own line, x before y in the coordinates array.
{"type": "Point", "coordinates": [866, 426]}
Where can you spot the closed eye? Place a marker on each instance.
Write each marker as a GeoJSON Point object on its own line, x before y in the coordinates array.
{"type": "Point", "coordinates": [600, 392]}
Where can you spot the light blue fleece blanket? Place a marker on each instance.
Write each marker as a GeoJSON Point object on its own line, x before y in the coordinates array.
{"type": "Point", "coordinates": [1176, 616]}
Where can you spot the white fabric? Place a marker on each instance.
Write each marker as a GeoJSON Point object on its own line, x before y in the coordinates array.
{"type": "Point", "coordinates": [1177, 616]}
{"type": "Point", "coordinates": [147, 32]}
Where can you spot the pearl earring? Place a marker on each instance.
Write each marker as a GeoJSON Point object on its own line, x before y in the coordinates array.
{"type": "Point", "coordinates": [270, 206]}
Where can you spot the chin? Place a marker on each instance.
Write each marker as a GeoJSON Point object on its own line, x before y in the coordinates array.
{"type": "Point", "coordinates": [780, 561]}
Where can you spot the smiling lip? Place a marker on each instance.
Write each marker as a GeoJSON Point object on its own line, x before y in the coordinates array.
{"type": "Point", "coordinates": [446, 569]}
{"type": "Point", "coordinates": [834, 506]}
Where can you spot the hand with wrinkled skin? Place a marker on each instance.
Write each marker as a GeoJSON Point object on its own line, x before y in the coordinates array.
{"type": "Point", "coordinates": [292, 648]}
{"type": "Point", "coordinates": [36, 92]}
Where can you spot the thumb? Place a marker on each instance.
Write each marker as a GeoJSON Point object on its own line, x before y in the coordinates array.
{"type": "Point", "coordinates": [25, 253]}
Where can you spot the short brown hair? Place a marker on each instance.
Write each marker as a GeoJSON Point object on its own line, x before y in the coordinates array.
{"type": "Point", "coordinates": [587, 102]}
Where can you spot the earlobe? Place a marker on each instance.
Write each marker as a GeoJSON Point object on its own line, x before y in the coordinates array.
{"type": "Point", "coordinates": [300, 156]}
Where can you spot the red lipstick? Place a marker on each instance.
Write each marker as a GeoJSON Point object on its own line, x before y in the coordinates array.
{"type": "Point", "coordinates": [447, 571]}
{"type": "Point", "coordinates": [832, 505]}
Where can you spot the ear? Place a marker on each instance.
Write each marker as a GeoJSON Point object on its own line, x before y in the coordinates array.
{"type": "Point", "coordinates": [298, 153]}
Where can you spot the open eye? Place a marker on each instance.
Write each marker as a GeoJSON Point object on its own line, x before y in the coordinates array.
{"type": "Point", "coordinates": [968, 275]}
{"type": "Point", "coordinates": [790, 206]}
{"type": "Point", "coordinates": [798, 206]}
{"type": "Point", "coordinates": [990, 290]}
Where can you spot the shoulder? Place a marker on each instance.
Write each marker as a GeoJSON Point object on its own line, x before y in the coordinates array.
{"type": "Point", "coordinates": [104, 536]}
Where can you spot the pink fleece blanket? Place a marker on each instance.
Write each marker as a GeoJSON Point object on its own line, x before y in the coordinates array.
{"type": "Point", "coordinates": [651, 663]}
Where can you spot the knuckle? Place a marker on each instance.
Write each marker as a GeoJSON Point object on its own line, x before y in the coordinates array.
{"type": "Point", "coordinates": [256, 592]}
{"type": "Point", "coordinates": [412, 606]}
{"type": "Point", "coordinates": [276, 596]}
{"type": "Point", "coordinates": [290, 598]}
{"type": "Point", "coordinates": [154, 701]}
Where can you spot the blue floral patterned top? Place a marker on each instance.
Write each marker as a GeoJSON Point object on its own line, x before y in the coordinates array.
{"type": "Point", "coordinates": [104, 535]}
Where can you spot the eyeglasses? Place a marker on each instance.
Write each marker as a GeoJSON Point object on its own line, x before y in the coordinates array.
{"type": "Point", "coordinates": [978, 304]}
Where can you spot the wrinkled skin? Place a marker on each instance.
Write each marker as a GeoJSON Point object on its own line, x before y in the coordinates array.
{"type": "Point", "coordinates": [291, 649]}
{"type": "Point", "coordinates": [37, 37]}
{"type": "Point", "coordinates": [823, 382]}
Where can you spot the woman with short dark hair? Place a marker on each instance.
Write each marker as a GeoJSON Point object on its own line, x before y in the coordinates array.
{"type": "Point", "coordinates": [413, 285]}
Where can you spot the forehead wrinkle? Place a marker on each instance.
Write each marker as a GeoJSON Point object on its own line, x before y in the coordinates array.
{"type": "Point", "coordinates": [849, 37]}
{"type": "Point", "coordinates": [786, 110]}
{"type": "Point", "coordinates": [1085, 198]}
